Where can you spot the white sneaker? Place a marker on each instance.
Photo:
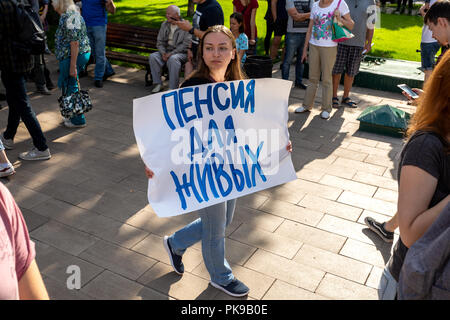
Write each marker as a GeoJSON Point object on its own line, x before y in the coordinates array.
{"type": "Point", "coordinates": [324, 114]}
{"type": "Point", "coordinates": [35, 154]}
{"type": "Point", "coordinates": [7, 143]}
{"type": "Point", "coordinates": [7, 171]}
{"type": "Point", "coordinates": [69, 124]}
{"type": "Point", "coordinates": [301, 109]}
{"type": "Point", "coordinates": [157, 88]}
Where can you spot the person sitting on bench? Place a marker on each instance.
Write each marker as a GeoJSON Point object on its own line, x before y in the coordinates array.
{"type": "Point", "coordinates": [172, 44]}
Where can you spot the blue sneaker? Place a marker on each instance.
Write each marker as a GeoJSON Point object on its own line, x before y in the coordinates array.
{"type": "Point", "coordinates": [235, 288]}
{"type": "Point", "coordinates": [175, 259]}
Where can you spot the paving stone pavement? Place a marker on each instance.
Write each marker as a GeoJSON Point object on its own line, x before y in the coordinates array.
{"type": "Point", "coordinates": [306, 239]}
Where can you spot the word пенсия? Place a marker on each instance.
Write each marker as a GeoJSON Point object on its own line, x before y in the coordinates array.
{"type": "Point", "coordinates": [212, 174]}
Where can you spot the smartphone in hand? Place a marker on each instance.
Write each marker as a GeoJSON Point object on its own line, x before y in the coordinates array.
{"type": "Point", "coordinates": [408, 90]}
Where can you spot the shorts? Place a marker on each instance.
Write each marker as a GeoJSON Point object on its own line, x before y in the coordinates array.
{"type": "Point", "coordinates": [427, 54]}
{"type": "Point", "coordinates": [280, 27]}
{"type": "Point", "coordinates": [349, 59]}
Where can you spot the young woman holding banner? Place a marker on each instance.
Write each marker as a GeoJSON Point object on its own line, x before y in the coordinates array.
{"type": "Point", "coordinates": [218, 62]}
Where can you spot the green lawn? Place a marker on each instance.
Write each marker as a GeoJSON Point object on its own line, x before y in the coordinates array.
{"type": "Point", "coordinates": [398, 37]}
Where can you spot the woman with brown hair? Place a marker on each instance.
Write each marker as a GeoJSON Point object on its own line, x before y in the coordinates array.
{"type": "Point", "coordinates": [424, 172]}
{"type": "Point", "coordinates": [237, 27]}
{"type": "Point", "coordinates": [218, 62]}
{"type": "Point", "coordinates": [218, 59]}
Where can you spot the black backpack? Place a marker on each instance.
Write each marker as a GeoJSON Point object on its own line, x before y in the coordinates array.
{"type": "Point", "coordinates": [30, 37]}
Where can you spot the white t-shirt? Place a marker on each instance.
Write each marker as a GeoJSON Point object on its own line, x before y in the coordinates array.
{"type": "Point", "coordinates": [427, 35]}
{"type": "Point", "coordinates": [322, 21]}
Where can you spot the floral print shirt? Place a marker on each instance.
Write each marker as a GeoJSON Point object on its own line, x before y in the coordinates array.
{"type": "Point", "coordinates": [322, 23]}
{"type": "Point", "coordinates": [322, 26]}
{"type": "Point", "coordinates": [71, 28]}
{"type": "Point", "coordinates": [242, 44]}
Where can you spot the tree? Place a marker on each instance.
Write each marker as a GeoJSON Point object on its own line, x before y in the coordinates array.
{"type": "Point", "coordinates": [191, 8]}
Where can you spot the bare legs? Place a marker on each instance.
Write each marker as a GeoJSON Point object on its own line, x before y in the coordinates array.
{"type": "Point", "coordinates": [274, 47]}
{"type": "Point", "coordinates": [392, 224]}
{"type": "Point", "coordinates": [348, 83]}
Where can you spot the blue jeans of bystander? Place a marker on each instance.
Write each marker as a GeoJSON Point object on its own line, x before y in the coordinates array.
{"type": "Point", "coordinates": [294, 44]}
{"type": "Point", "coordinates": [97, 40]}
{"type": "Point", "coordinates": [427, 54]}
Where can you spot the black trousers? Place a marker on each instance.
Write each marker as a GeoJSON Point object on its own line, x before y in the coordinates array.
{"type": "Point", "coordinates": [40, 73]}
{"type": "Point", "coordinates": [403, 3]}
{"type": "Point", "coordinates": [270, 29]}
{"type": "Point", "coordinates": [20, 108]}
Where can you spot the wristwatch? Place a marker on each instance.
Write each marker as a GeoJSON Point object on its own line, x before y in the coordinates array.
{"type": "Point", "coordinates": [192, 30]}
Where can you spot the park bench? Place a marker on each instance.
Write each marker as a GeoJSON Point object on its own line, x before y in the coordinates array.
{"type": "Point", "coordinates": [134, 38]}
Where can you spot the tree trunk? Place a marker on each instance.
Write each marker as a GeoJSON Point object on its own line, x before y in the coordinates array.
{"type": "Point", "coordinates": [191, 8]}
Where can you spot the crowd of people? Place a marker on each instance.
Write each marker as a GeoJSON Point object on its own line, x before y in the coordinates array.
{"type": "Point", "coordinates": [74, 38]}
{"type": "Point", "coordinates": [305, 25]}
{"type": "Point", "coordinates": [77, 36]}
{"type": "Point", "coordinates": [307, 28]}
{"type": "Point", "coordinates": [211, 52]}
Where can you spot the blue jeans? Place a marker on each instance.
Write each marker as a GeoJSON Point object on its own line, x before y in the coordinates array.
{"type": "Point", "coordinates": [294, 44]}
{"type": "Point", "coordinates": [387, 287]}
{"type": "Point", "coordinates": [97, 40]}
{"type": "Point", "coordinates": [20, 108]}
{"type": "Point", "coordinates": [427, 54]}
{"type": "Point", "coordinates": [69, 84]}
{"type": "Point", "coordinates": [210, 229]}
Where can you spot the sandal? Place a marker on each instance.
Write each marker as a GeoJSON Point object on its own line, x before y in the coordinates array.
{"type": "Point", "coordinates": [347, 102]}
{"type": "Point", "coordinates": [335, 102]}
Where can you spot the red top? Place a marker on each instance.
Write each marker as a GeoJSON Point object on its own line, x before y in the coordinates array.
{"type": "Point", "coordinates": [247, 13]}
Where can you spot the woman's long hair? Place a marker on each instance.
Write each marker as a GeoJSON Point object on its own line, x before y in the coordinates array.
{"type": "Point", "coordinates": [234, 70]}
{"type": "Point", "coordinates": [433, 110]}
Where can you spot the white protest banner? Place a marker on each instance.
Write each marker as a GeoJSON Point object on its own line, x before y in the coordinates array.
{"type": "Point", "coordinates": [214, 142]}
